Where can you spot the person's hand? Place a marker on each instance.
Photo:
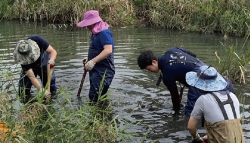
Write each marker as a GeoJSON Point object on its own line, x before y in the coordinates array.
{"type": "Point", "coordinates": [204, 138]}
{"type": "Point", "coordinates": [47, 94]}
{"type": "Point", "coordinates": [51, 63]}
{"type": "Point", "coordinates": [198, 139]}
{"type": "Point", "coordinates": [89, 65]}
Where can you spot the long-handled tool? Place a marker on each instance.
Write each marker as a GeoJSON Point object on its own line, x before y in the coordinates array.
{"type": "Point", "coordinates": [181, 91]}
{"type": "Point", "coordinates": [83, 78]}
{"type": "Point", "coordinates": [49, 76]}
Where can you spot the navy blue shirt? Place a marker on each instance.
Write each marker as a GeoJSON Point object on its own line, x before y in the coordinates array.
{"type": "Point", "coordinates": [98, 42]}
{"type": "Point", "coordinates": [43, 45]}
{"type": "Point", "coordinates": [173, 70]}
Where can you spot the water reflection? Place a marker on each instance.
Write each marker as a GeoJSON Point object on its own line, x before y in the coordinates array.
{"type": "Point", "coordinates": [136, 99]}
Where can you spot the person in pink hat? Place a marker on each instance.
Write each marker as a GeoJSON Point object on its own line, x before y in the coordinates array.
{"type": "Point", "coordinates": [100, 60]}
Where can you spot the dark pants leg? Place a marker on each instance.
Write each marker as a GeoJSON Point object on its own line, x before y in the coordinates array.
{"type": "Point", "coordinates": [229, 85]}
{"type": "Point", "coordinates": [193, 95]}
{"type": "Point", "coordinates": [96, 87]}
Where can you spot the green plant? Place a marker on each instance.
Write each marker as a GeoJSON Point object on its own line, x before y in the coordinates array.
{"type": "Point", "coordinates": [233, 65]}
{"type": "Point", "coordinates": [60, 121]}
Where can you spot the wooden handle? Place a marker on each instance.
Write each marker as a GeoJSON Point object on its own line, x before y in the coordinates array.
{"type": "Point", "coordinates": [49, 76]}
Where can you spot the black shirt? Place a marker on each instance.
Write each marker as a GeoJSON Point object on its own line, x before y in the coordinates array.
{"type": "Point", "coordinates": [43, 45]}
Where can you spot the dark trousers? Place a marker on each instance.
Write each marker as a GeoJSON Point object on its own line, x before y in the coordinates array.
{"type": "Point", "coordinates": [99, 87]}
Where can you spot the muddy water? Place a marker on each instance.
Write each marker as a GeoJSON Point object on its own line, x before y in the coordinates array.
{"type": "Point", "coordinates": [135, 97]}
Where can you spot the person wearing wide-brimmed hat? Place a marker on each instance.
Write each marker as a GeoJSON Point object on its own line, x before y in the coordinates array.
{"type": "Point", "coordinates": [219, 107]}
{"type": "Point", "coordinates": [100, 55]}
{"type": "Point", "coordinates": [34, 54]}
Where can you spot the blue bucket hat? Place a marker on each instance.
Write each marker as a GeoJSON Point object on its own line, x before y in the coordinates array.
{"type": "Point", "coordinates": [206, 79]}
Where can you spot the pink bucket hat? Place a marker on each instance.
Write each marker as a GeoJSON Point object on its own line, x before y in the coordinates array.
{"type": "Point", "coordinates": [90, 17]}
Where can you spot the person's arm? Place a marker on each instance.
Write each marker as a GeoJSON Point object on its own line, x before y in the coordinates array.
{"type": "Point", "coordinates": [196, 115]}
{"type": "Point", "coordinates": [52, 52]}
{"type": "Point", "coordinates": [192, 126]}
{"type": "Point", "coordinates": [175, 99]}
{"type": "Point", "coordinates": [33, 79]}
{"type": "Point", "coordinates": [172, 87]}
{"type": "Point", "coordinates": [107, 41]}
{"type": "Point", "coordinates": [104, 54]}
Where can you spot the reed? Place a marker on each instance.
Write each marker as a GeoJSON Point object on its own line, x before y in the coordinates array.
{"type": "Point", "coordinates": [59, 121]}
{"type": "Point", "coordinates": [230, 17]}
{"type": "Point", "coordinates": [207, 16]}
{"type": "Point", "coordinates": [69, 11]}
{"type": "Point", "coordinates": [233, 64]}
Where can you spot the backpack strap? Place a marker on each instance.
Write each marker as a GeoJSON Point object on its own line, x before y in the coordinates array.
{"type": "Point", "coordinates": [178, 55]}
{"type": "Point", "coordinates": [178, 59]}
{"type": "Point", "coordinates": [221, 105]}
{"type": "Point", "coordinates": [159, 80]}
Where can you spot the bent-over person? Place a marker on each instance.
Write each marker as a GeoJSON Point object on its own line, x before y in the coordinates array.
{"type": "Point", "coordinates": [173, 65]}
{"type": "Point", "coordinates": [34, 54]}
{"type": "Point", "coordinates": [218, 106]}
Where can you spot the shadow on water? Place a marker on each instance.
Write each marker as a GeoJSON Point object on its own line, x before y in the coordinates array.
{"type": "Point", "coordinates": [135, 97]}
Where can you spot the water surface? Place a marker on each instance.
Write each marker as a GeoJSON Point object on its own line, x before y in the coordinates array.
{"type": "Point", "coordinates": [131, 86]}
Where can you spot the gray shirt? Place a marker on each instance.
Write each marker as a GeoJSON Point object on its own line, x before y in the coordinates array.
{"type": "Point", "coordinates": [207, 105]}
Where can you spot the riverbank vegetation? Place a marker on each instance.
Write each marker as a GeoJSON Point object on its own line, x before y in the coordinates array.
{"type": "Point", "coordinates": [57, 122]}
{"type": "Point", "coordinates": [230, 17]}
{"type": "Point", "coordinates": [62, 120]}
{"type": "Point", "coordinates": [233, 63]}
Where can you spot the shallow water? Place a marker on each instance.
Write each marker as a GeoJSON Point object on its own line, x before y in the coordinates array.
{"type": "Point", "coordinates": [135, 97]}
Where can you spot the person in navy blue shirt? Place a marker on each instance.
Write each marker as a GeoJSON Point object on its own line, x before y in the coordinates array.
{"type": "Point", "coordinates": [100, 55]}
{"type": "Point", "coordinates": [34, 54]}
{"type": "Point", "coordinates": [174, 64]}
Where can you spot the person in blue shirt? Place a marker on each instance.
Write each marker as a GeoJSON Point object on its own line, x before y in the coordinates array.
{"type": "Point", "coordinates": [100, 55]}
{"type": "Point", "coordinates": [34, 54]}
{"type": "Point", "coordinates": [174, 64]}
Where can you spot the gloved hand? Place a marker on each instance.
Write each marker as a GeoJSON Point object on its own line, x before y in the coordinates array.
{"type": "Point", "coordinates": [47, 94]}
{"type": "Point", "coordinates": [197, 139]}
{"type": "Point", "coordinates": [52, 63]}
{"type": "Point", "coordinates": [89, 65]}
{"type": "Point", "coordinates": [204, 138]}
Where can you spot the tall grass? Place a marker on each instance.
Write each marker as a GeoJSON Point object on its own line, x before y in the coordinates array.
{"type": "Point", "coordinates": [233, 63]}
{"type": "Point", "coordinates": [206, 16]}
{"type": "Point", "coordinates": [69, 11]}
{"type": "Point", "coordinates": [59, 121]}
